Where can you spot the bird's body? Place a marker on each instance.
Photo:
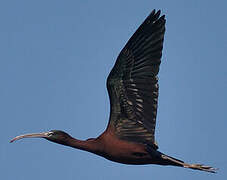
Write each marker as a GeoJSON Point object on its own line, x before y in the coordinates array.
{"type": "Point", "coordinates": [109, 146]}
{"type": "Point", "coordinates": [117, 150]}
{"type": "Point", "coordinates": [133, 90]}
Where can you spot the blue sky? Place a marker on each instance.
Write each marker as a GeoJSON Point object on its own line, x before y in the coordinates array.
{"type": "Point", "coordinates": [54, 61]}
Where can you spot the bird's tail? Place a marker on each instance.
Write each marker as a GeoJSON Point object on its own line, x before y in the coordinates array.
{"type": "Point", "coordinates": [176, 162]}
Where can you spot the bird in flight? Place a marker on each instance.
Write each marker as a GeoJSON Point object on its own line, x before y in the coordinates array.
{"type": "Point", "coordinates": [133, 92]}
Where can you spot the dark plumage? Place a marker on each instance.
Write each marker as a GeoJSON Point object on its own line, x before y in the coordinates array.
{"type": "Point", "coordinates": [133, 91]}
{"type": "Point", "coordinates": [133, 83]}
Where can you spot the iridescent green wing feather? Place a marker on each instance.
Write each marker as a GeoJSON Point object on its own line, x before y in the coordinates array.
{"type": "Point", "coordinates": [133, 83]}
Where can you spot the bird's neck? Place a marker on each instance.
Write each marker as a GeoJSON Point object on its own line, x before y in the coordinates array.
{"type": "Point", "coordinates": [90, 145]}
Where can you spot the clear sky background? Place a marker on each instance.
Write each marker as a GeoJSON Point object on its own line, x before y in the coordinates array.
{"type": "Point", "coordinates": [54, 61]}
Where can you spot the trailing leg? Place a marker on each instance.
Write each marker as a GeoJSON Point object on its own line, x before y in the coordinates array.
{"type": "Point", "coordinates": [167, 160]}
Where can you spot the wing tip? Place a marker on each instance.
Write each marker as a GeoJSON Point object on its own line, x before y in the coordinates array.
{"type": "Point", "coordinates": [156, 15]}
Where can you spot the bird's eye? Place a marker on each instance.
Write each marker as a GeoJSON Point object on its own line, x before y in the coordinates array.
{"type": "Point", "coordinates": [50, 134]}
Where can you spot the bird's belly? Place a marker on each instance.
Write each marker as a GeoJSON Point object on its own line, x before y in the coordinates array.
{"type": "Point", "coordinates": [128, 153]}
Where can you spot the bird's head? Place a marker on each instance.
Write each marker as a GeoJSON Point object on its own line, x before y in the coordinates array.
{"type": "Point", "coordinates": [56, 136]}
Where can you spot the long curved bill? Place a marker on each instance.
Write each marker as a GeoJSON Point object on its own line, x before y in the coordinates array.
{"type": "Point", "coordinates": [33, 135]}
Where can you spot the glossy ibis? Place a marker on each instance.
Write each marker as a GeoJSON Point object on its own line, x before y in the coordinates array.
{"type": "Point", "coordinates": [133, 91]}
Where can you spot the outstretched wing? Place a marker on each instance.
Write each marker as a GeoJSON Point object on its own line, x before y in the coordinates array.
{"type": "Point", "coordinates": [133, 83]}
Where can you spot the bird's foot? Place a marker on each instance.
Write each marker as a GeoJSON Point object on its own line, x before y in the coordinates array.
{"type": "Point", "coordinates": [201, 167]}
